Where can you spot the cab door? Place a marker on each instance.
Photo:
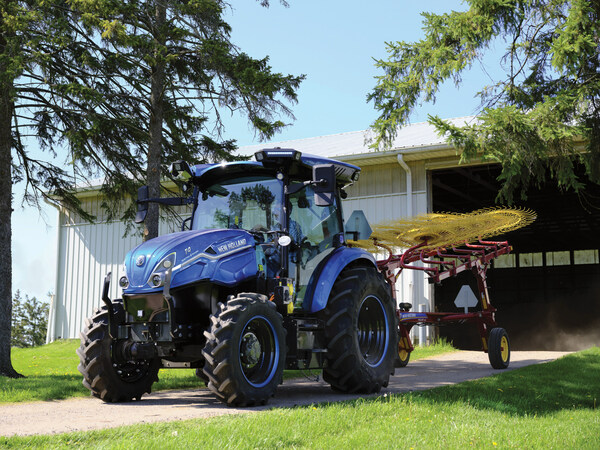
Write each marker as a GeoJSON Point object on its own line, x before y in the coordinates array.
{"type": "Point", "coordinates": [314, 230]}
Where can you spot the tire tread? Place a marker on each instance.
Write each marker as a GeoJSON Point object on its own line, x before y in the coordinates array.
{"type": "Point", "coordinates": [346, 370]}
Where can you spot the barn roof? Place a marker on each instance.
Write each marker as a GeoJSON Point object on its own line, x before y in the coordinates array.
{"type": "Point", "coordinates": [414, 141]}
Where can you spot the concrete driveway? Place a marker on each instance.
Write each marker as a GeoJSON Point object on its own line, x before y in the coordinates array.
{"type": "Point", "coordinates": [90, 413]}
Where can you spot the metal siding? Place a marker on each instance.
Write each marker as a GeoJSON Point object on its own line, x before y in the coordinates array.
{"type": "Point", "coordinates": [86, 274]}
{"type": "Point", "coordinates": [58, 311]}
{"type": "Point", "coordinates": [419, 175]}
{"type": "Point", "coordinates": [91, 260]}
{"type": "Point", "coordinates": [75, 284]}
{"type": "Point", "coordinates": [87, 252]}
{"type": "Point", "coordinates": [96, 273]}
{"type": "Point", "coordinates": [382, 197]}
{"type": "Point", "coordinates": [379, 209]}
{"type": "Point", "coordinates": [70, 280]}
{"type": "Point", "coordinates": [379, 180]}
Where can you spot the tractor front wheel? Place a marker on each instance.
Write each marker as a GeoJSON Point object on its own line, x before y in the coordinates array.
{"type": "Point", "coordinates": [108, 378]}
{"type": "Point", "coordinates": [245, 350]}
{"type": "Point", "coordinates": [361, 332]}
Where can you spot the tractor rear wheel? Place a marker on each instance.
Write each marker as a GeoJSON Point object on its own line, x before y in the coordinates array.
{"type": "Point", "coordinates": [245, 350]}
{"type": "Point", "coordinates": [107, 378]}
{"type": "Point", "coordinates": [361, 332]}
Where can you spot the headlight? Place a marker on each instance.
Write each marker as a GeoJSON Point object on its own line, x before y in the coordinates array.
{"type": "Point", "coordinates": [123, 280]}
{"type": "Point", "coordinates": [157, 278]}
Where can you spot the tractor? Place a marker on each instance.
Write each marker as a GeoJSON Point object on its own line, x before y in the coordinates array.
{"type": "Point", "coordinates": [259, 279]}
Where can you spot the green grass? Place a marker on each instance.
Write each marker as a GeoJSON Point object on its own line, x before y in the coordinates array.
{"type": "Point", "coordinates": [551, 405]}
{"type": "Point", "coordinates": [51, 373]}
{"type": "Point", "coordinates": [439, 347]}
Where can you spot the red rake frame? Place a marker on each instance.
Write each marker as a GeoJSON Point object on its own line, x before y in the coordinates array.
{"type": "Point", "coordinates": [440, 264]}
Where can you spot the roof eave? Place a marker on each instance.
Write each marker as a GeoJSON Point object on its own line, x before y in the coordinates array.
{"type": "Point", "coordinates": [409, 154]}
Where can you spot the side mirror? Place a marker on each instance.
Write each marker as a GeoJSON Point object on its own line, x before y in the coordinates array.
{"type": "Point", "coordinates": [180, 170]}
{"type": "Point", "coordinates": [357, 226]}
{"type": "Point", "coordinates": [324, 184]}
{"type": "Point", "coordinates": [142, 204]}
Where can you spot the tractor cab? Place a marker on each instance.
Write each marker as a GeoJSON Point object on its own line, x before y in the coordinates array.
{"type": "Point", "coordinates": [290, 204]}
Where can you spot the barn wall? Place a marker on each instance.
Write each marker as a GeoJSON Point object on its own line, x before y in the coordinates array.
{"type": "Point", "coordinates": [87, 252]}
{"type": "Point", "coordinates": [382, 195]}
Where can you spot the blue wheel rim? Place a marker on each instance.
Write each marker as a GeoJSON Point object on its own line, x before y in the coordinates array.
{"type": "Point", "coordinates": [373, 330]}
{"type": "Point", "coordinates": [258, 351]}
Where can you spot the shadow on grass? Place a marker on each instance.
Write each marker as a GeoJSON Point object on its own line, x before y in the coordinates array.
{"type": "Point", "coordinates": [569, 383]}
{"type": "Point", "coordinates": [41, 387]}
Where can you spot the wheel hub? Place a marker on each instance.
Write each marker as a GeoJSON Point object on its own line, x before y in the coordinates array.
{"type": "Point", "coordinates": [251, 349]}
{"type": "Point", "coordinates": [372, 331]}
{"type": "Point", "coordinates": [504, 348]}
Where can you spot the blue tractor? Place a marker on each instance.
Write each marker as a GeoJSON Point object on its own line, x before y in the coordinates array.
{"type": "Point", "coordinates": [260, 279]}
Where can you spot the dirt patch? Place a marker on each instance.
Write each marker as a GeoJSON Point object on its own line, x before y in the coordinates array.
{"type": "Point", "coordinates": [90, 413]}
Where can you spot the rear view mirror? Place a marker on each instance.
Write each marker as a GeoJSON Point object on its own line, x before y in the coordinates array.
{"type": "Point", "coordinates": [142, 204]}
{"type": "Point", "coordinates": [324, 184]}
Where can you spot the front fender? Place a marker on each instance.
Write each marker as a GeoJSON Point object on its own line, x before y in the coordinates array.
{"type": "Point", "coordinates": [321, 281]}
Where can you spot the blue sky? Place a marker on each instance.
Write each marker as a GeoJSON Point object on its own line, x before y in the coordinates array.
{"type": "Point", "coordinates": [333, 43]}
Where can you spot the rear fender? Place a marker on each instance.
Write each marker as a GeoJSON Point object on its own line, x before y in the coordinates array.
{"type": "Point", "coordinates": [322, 280]}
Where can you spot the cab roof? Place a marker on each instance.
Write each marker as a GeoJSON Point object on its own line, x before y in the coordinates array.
{"type": "Point", "coordinates": [269, 161]}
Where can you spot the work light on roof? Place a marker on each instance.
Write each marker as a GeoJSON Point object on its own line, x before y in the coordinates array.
{"type": "Point", "coordinates": [181, 170]}
{"type": "Point", "coordinates": [275, 154]}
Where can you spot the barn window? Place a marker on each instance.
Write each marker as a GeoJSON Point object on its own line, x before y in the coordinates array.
{"type": "Point", "coordinates": [586, 257]}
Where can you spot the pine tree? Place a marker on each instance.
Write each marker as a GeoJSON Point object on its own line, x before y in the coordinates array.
{"type": "Point", "coordinates": [29, 321]}
{"type": "Point", "coordinates": [119, 104]}
{"type": "Point", "coordinates": [542, 119]}
{"type": "Point", "coordinates": [177, 59]}
{"type": "Point", "coordinates": [56, 92]}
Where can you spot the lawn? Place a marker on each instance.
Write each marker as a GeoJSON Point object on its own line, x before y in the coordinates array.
{"type": "Point", "coordinates": [552, 405]}
{"type": "Point", "coordinates": [51, 373]}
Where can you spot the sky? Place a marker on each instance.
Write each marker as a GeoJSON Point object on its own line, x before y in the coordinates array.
{"type": "Point", "coordinates": [334, 44]}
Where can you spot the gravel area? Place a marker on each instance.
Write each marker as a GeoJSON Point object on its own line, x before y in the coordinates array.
{"type": "Point", "coordinates": [90, 413]}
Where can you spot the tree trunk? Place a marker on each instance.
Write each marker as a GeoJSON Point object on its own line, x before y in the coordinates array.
{"type": "Point", "coordinates": [157, 80]}
{"type": "Point", "coordinates": [6, 110]}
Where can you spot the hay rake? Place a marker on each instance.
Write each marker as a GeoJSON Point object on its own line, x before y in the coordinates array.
{"type": "Point", "coordinates": [443, 246]}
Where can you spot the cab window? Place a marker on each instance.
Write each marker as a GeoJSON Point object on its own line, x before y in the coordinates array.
{"type": "Point", "coordinates": [249, 203]}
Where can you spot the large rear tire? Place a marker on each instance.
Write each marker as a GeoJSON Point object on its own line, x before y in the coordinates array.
{"type": "Point", "coordinates": [245, 350]}
{"type": "Point", "coordinates": [361, 332]}
{"type": "Point", "coordinates": [107, 378]}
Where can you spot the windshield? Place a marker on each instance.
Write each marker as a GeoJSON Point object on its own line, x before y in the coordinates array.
{"type": "Point", "coordinates": [249, 203]}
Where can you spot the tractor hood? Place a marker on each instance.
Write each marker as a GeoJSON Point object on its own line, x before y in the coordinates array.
{"type": "Point", "coordinates": [191, 256]}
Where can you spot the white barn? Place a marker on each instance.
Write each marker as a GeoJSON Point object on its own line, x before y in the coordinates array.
{"type": "Point", "coordinates": [419, 174]}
